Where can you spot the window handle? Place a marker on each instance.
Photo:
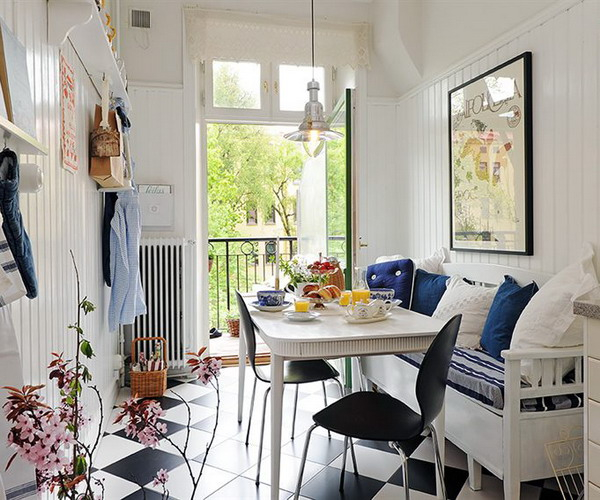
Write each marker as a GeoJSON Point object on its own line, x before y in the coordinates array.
{"type": "Point", "coordinates": [276, 87]}
{"type": "Point", "coordinates": [266, 86]}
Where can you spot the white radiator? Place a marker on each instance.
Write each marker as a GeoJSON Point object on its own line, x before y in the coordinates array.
{"type": "Point", "coordinates": [165, 265]}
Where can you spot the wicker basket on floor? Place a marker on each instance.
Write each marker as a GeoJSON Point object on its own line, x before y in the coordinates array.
{"type": "Point", "coordinates": [151, 384]}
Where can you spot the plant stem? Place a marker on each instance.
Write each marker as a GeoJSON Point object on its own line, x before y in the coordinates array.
{"type": "Point", "coordinates": [76, 398]}
{"type": "Point", "coordinates": [210, 443]}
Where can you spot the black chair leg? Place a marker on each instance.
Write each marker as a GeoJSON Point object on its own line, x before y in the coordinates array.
{"type": "Point", "coordinates": [353, 457]}
{"type": "Point", "coordinates": [404, 469]}
{"type": "Point", "coordinates": [251, 411]}
{"type": "Point", "coordinates": [438, 459]}
{"type": "Point", "coordinates": [262, 436]}
{"type": "Point", "coordinates": [325, 400]}
{"type": "Point", "coordinates": [343, 464]}
{"type": "Point", "coordinates": [303, 462]}
{"type": "Point", "coordinates": [295, 410]}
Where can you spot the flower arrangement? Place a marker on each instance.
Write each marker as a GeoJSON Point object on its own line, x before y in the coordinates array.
{"type": "Point", "coordinates": [299, 270]}
{"type": "Point", "coordinates": [50, 438]}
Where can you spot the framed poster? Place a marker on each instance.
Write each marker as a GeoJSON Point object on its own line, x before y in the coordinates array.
{"type": "Point", "coordinates": [491, 161]}
{"type": "Point", "coordinates": [68, 138]}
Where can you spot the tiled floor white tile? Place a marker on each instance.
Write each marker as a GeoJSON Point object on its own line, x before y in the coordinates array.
{"type": "Point", "coordinates": [492, 489]}
{"type": "Point", "coordinates": [371, 463]}
{"type": "Point", "coordinates": [110, 417]}
{"type": "Point", "coordinates": [180, 482]}
{"type": "Point", "coordinates": [196, 444]}
{"type": "Point", "coordinates": [115, 487]}
{"type": "Point", "coordinates": [179, 414]}
{"type": "Point", "coordinates": [290, 466]}
{"type": "Point", "coordinates": [189, 391]}
{"type": "Point", "coordinates": [393, 492]}
{"type": "Point", "coordinates": [114, 448]}
{"type": "Point", "coordinates": [454, 457]}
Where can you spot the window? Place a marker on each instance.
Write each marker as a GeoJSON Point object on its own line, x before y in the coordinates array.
{"type": "Point", "coordinates": [271, 217]}
{"type": "Point", "coordinates": [251, 218]}
{"type": "Point", "coordinates": [236, 85]}
{"type": "Point", "coordinates": [482, 149]}
{"type": "Point", "coordinates": [292, 86]}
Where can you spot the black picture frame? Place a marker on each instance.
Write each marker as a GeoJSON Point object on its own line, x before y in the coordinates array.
{"type": "Point", "coordinates": [490, 138]}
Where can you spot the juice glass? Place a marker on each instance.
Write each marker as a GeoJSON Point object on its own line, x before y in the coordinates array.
{"type": "Point", "coordinates": [361, 295]}
{"type": "Point", "coordinates": [301, 305]}
{"type": "Point", "coordinates": [345, 298]}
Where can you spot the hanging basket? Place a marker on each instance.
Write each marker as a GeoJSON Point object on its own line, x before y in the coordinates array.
{"type": "Point", "coordinates": [149, 384]}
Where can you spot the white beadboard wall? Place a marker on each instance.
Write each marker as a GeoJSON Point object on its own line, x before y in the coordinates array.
{"type": "Point", "coordinates": [65, 215]}
{"type": "Point", "coordinates": [566, 68]}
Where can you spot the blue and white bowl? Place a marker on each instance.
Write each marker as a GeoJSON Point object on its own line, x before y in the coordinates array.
{"type": "Point", "coordinates": [270, 297]}
{"type": "Point", "coordinates": [382, 293]}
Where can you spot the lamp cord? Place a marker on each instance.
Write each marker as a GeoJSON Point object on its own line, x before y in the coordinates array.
{"type": "Point", "coordinates": [312, 28]}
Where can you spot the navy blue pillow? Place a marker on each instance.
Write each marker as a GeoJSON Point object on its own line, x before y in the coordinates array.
{"type": "Point", "coordinates": [508, 304]}
{"type": "Point", "coordinates": [428, 291]}
{"type": "Point", "coordinates": [396, 274]}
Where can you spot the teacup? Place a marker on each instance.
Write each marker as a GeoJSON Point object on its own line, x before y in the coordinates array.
{"type": "Point", "coordinates": [374, 309]}
{"type": "Point", "coordinates": [382, 293]}
{"type": "Point", "coordinates": [270, 297]}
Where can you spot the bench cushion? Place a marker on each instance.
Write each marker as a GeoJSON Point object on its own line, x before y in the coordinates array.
{"type": "Point", "coordinates": [397, 274]}
{"type": "Point", "coordinates": [480, 376]}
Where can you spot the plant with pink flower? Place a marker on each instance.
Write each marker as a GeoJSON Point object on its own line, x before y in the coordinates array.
{"type": "Point", "coordinates": [141, 418]}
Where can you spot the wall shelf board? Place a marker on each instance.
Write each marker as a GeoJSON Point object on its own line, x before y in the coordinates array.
{"type": "Point", "coordinates": [18, 140]}
{"type": "Point", "coordinates": [89, 40]}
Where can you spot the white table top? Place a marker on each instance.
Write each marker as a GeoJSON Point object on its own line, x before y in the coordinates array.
{"type": "Point", "coordinates": [331, 335]}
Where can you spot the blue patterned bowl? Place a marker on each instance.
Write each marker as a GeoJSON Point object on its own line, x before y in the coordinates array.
{"type": "Point", "coordinates": [270, 297]}
{"type": "Point", "coordinates": [382, 293]}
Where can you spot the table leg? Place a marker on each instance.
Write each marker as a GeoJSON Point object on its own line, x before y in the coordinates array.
{"type": "Point", "coordinates": [241, 375]}
{"type": "Point", "coordinates": [276, 408]}
{"type": "Point", "coordinates": [439, 424]}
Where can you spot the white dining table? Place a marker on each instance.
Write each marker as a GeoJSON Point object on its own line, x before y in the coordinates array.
{"type": "Point", "coordinates": [331, 336]}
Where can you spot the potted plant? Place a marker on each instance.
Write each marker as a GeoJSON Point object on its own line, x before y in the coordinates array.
{"type": "Point", "coordinates": [233, 323]}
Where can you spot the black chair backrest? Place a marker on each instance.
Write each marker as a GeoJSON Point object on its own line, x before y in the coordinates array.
{"type": "Point", "coordinates": [433, 374]}
{"type": "Point", "coordinates": [249, 332]}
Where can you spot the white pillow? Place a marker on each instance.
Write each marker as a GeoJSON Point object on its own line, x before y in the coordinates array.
{"type": "Point", "coordinates": [431, 264]}
{"type": "Point", "coordinates": [473, 302]}
{"type": "Point", "coordinates": [548, 319]}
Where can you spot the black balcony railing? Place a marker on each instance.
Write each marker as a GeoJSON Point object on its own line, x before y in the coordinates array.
{"type": "Point", "coordinates": [240, 263]}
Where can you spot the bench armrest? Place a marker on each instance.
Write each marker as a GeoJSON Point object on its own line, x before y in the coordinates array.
{"type": "Point", "coordinates": [542, 353]}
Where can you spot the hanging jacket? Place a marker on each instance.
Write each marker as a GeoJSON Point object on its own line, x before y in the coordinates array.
{"type": "Point", "coordinates": [12, 224]}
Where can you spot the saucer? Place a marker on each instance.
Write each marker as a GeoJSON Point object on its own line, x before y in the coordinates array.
{"type": "Point", "coordinates": [353, 320]}
{"type": "Point", "coordinates": [283, 306]}
{"type": "Point", "coordinates": [301, 316]}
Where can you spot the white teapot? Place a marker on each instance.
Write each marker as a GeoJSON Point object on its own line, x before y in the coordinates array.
{"type": "Point", "coordinates": [374, 309]}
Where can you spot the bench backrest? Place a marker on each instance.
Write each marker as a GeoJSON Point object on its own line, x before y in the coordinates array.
{"type": "Point", "coordinates": [493, 274]}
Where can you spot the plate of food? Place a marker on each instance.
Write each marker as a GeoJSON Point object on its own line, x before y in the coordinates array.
{"type": "Point", "coordinates": [321, 295]}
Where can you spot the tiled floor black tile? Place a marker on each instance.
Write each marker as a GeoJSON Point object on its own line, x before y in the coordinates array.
{"type": "Point", "coordinates": [547, 494]}
{"type": "Point", "coordinates": [167, 403]}
{"type": "Point", "coordinates": [421, 477]}
{"type": "Point", "coordinates": [147, 495]}
{"type": "Point", "coordinates": [172, 428]}
{"type": "Point", "coordinates": [322, 450]}
{"type": "Point", "coordinates": [209, 400]}
{"type": "Point", "coordinates": [325, 486]}
{"type": "Point", "coordinates": [143, 465]}
{"type": "Point", "coordinates": [245, 488]}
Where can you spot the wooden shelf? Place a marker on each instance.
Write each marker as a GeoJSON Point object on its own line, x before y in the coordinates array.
{"type": "Point", "coordinates": [18, 140]}
{"type": "Point", "coordinates": [80, 21]}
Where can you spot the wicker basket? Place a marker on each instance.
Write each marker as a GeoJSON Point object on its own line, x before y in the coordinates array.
{"type": "Point", "coordinates": [149, 384]}
{"type": "Point", "coordinates": [337, 278]}
{"type": "Point", "coordinates": [233, 325]}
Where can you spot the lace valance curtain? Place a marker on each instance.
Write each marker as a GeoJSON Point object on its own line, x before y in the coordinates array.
{"type": "Point", "coordinates": [252, 37]}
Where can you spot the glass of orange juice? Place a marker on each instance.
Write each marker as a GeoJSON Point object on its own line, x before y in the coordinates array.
{"type": "Point", "coordinates": [345, 298]}
{"type": "Point", "coordinates": [361, 295]}
{"type": "Point", "coordinates": [301, 305]}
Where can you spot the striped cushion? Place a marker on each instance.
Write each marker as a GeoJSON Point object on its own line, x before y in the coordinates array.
{"type": "Point", "coordinates": [478, 375]}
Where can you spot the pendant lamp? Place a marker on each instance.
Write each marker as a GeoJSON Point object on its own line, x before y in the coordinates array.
{"type": "Point", "coordinates": [314, 129]}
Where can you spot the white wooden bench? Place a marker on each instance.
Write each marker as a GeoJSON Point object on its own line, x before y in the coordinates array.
{"type": "Point", "coordinates": [508, 442]}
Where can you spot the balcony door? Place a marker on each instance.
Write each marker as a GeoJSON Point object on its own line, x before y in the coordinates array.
{"type": "Point", "coordinates": [325, 201]}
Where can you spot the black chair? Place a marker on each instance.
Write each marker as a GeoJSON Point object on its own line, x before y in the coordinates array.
{"type": "Point", "coordinates": [380, 417]}
{"type": "Point", "coordinates": [294, 372]}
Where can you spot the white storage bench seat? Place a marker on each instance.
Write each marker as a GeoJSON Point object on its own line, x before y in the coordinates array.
{"type": "Point", "coordinates": [497, 420]}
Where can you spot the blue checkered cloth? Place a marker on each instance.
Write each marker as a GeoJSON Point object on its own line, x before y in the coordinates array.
{"type": "Point", "coordinates": [11, 284]}
{"type": "Point", "coordinates": [126, 293]}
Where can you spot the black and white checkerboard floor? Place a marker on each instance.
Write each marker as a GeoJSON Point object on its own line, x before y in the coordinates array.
{"type": "Point", "coordinates": [231, 466]}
